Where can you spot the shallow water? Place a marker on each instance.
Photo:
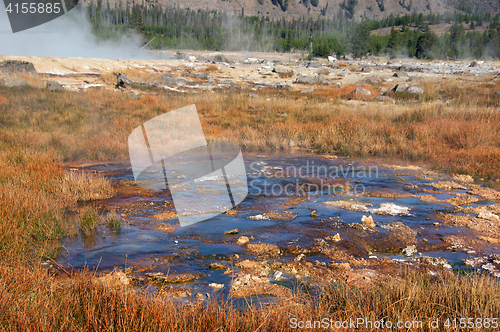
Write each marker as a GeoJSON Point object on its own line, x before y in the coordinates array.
{"type": "Point", "coordinates": [193, 248]}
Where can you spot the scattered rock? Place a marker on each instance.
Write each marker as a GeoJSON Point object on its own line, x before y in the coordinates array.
{"type": "Point", "coordinates": [220, 58]}
{"type": "Point", "coordinates": [234, 86]}
{"type": "Point", "coordinates": [259, 217]}
{"type": "Point", "coordinates": [282, 86]}
{"type": "Point", "coordinates": [16, 67]}
{"type": "Point", "coordinates": [114, 279]}
{"type": "Point", "coordinates": [168, 78]}
{"type": "Point", "coordinates": [242, 240]}
{"type": "Point", "coordinates": [368, 221]}
{"type": "Point", "coordinates": [463, 178]}
{"type": "Point", "coordinates": [447, 185]}
{"type": "Point", "coordinates": [323, 71]}
{"type": "Point", "coordinates": [367, 70]}
{"type": "Point", "coordinates": [385, 99]}
{"type": "Point", "coordinates": [400, 87]}
{"type": "Point", "coordinates": [488, 216]}
{"type": "Point", "coordinates": [203, 76]}
{"type": "Point", "coordinates": [161, 278]}
{"type": "Point", "coordinates": [304, 80]}
{"type": "Point", "coordinates": [247, 285]}
{"type": "Point", "coordinates": [436, 261]}
{"type": "Point", "coordinates": [391, 209]}
{"type": "Point", "coordinates": [173, 291]}
{"type": "Point", "coordinates": [415, 89]}
{"type": "Point", "coordinates": [54, 86]}
{"type": "Point", "coordinates": [216, 286]}
{"type": "Point", "coordinates": [410, 251]}
{"type": "Point", "coordinates": [335, 238]}
{"type": "Point", "coordinates": [216, 266]}
{"type": "Point", "coordinates": [233, 231]}
{"type": "Point", "coordinates": [264, 249]}
{"type": "Point", "coordinates": [265, 73]}
{"type": "Point", "coordinates": [361, 92]}
{"type": "Point", "coordinates": [283, 70]}
{"type": "Point", "coordinates": [307, 90]}
{"type": "Point", "coordinates": [12, 82]}
{"type": "Point", "coordinates": [253, 95]}
{"type": "Point", "coordinates": [383, 90]}
{"type": "Point", "coordinates": [400, 74]}
{"type": "Point", "coordinates": [314, 214]}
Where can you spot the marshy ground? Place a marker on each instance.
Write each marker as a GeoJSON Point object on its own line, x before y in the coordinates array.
{"type": "Point", "coordinates": [405, 226]}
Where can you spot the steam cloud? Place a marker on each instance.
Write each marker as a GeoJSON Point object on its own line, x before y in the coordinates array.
{"type": "Point", "coordinates": [69, 35]}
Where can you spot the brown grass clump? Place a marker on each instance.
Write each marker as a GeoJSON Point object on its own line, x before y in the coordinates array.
{"type": "Point", "coordinates": [35, 299]}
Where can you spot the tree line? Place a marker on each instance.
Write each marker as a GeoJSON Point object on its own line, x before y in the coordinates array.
{"type": "Point", "coordinates": [411, 34]}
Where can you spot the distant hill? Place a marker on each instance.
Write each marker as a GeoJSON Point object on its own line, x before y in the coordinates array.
{"type": "Point", "coordinates": [354, 9]}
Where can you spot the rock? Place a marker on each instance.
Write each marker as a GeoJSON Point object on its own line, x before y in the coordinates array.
{"type": "Point", "coordinates": [323, 71]}
{"type": "Point", "coordinates": [319, 78]}
{"type": "Point", "coordinates": [253, 95]}
{"type": "Point", "coordinates": [203, 76]}
{"type": "Point", "coordinates": [473, 64]}
{"type": "Point", "coordinates": [497, 92]}
{"type": "Point", "coordinates": [488, 216]}
{"type": "Point", "coordinates": [400, 87]}
{"type": "Point", "coordinates": [192, 58]}
{"type": "Point", "coordinates": [335, 238]}
{"type": "Point", "coordinates": [259, 217]}
{"type": "Point", "coordinates": [313, 64]}
{"type": "Point", "coordinates": [220, 58]}
{"type": "Point", "coordinates": [16, 67]}
{"type": "Point", "coordinates": [307, 90]}
{"type": "Point", "coordinates": [264, 249]}
{"type": "Point", "coordinates": [304, 80]}
{"type": "Point", "coordinates": [400, 74]}
{"type": "Point", "coordinates": [277, 275]}
{"type": "Point", "coordinates": [463, 178]}
{"type": "Point", "coordinates": [328, 82]}
{"type": "Point", "coordinates": [368, 221]}
{"type": "Point", "coordinates": [216, 286]}
{"type": "Point", "coordinates": [410, 251]}
{"type": "Point", "coordinates": [367, 70]}
{"type": "Point", "coordinates": [168, 78]}
{"type": "Point", "coordinates": [282, 86]}
{"type": "Point", "coordinates": [12, 82]}
{"type": "Point", "coordinates": [332, 59]}
{"type": "Point", "coordinates": [314, 214]}
{"type": "Point", "coordinates": [242, 240]}
{"type": "Point", "coordinates": [283, 70]}
{"type": "Point", "coordinates": [414, 79]}
{"type": "Point", "coordinates": [265, 73]}
{"type": "Point", "coordinates": [383, 90]}
{"type": "Point", "coordinates": [54, 86]}
{"type": "Point", "coordinates": [233, 231]}
{"type": "Point", "coordinates": [415, 89]}
{"type": "Point", "coordinates": [361, 92]}
{"type": "Point", "coordinates": [385, 99]}
{"type": "Point", "coordinates": [160, 278]}
{"type": "Point", "coordinates": [233, 86]}
{"type": "Point", "coordinates": [216, 266]}
{"type": "Point", "coordinates": [114, 279]}
{"type": "Point", "coordinates": [174, 292]}
{"type": "Point", "coordinates": [227, 82]}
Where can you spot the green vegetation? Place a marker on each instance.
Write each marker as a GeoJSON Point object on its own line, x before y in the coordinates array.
{"type": "Point", "coordinates": [411, 35]}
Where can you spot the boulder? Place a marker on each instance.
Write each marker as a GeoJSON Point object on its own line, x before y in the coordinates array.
{"type": "Point", "coordinates": [16, 67]}
{"type": "Point", "coordinates": [12, 82]}
{"type": "Point", "coordinates": [54, 86]}
{"type": "Point", "coordinates": [415, 89]}
{"type": "Point", "coordinates": [168, 78]}
{"type": "Point", "coordinates": [220, 58]}
{"type": "Point", "coordinates": [283, 70]}
{"type": "Point", "coordinates": [400, 87]}
{"type": "Point", "coordinates": [318, 79]}
{"type": "Point", "coordinates": [361, 92]}
{"type": "Point", "coordinates": [367, 70]}
{"type": "Point", "coordinates": [400, 74]}
{"type": "Point", "coordinates": [203, 76]}
{"type": "Point", "coordinates": [304, 80]}
{"type": "Point", "coordinates": [323, 71]}
{"type": "Point", "coordinates": [332, 59]}
{"type": "Point", "coordinates": [385, 99]}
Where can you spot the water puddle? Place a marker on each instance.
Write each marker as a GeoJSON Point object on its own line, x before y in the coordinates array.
{"type": "Point", "coordinates": [310, 208]}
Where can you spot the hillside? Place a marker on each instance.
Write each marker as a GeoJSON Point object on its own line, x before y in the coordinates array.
{"type": "Point", "coordinates": [359, 9]}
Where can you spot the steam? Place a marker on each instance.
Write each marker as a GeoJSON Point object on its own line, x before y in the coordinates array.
{"type": "Point", "coordinates": [69, 35]}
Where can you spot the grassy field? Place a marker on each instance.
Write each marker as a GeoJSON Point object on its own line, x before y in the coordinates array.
{"type": "Point", "coordinates": [451, 127]}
